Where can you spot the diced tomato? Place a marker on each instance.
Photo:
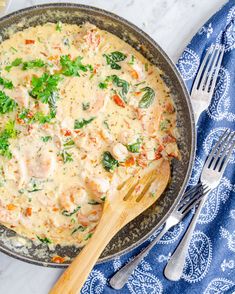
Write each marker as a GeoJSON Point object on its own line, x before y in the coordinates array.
{"type": "Point", "coordinates": [11, 207]}
{"type": "Point", "coordinates": [28, 211]}
{"type": "Point", "coordinates": [130, 161]}
{"type": "Point", "coordinates": [58, 259]}
{"type": "Point", "coordinates": [168, 139]}
{"type": "Point", "coordinates": [19, 120]}
{"type": "Point", "coordinates": [27, 42]}
{"type": "Point", "coordinates": [118, 101]}
{"type": "Point", "coordinates": [134, 74]}
{"type": "Point", "coordinates": [170, 108]}
{"type": "Point", "coordinates": [67, 133]}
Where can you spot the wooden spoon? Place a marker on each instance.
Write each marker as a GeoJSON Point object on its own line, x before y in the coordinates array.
{"type": "Point", "coordinates": [131, 200]}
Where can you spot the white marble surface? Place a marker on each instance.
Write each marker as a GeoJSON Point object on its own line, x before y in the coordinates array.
{"type": "Point", "coordinates": [171, 23]}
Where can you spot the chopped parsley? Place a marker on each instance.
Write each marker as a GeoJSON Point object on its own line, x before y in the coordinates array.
{"type": "Point", "coordinates": [69, 144]}
{"type": "Point", "coordinates": [14, 63]}
{"type": "Point", "coordinates": [8, 133]}
{"type": "Point", "coordinates": [58, 26]}
{"type": "Point", "coordinates": [44, 240]}
{"type": "Point", "coordinates": [6, 83]}
{"type": "Point", "coordinates": [6, 103]}
{"type": "Point", "coordinates": [105, 122]}
{"type": "Point", "coordinates": [148, 97]}
{"type": "Point", "coordinates": [38, 63]}
{"type": "Point", "coordinates": [132, 60]}
{"type": "Point", "coordinates": [67, 213]}
{"type": "Point", "coordinates": [72, 68]}
{"type": "Point", "coordinates": [46, 138]}
{"type": "Point", "coordinates": [79, 124]}
{"type": "Point", "coordinates": [109, 162]}
{"type": "Point", "coordinates": [93, 202]}
{"type": "Point", "coordinates": [113, 58]}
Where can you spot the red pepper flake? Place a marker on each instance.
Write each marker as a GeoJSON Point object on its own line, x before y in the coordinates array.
{"type": "Point", "coordinates": [28, 42]}
{"type": "Point", "coordinates": [28, 211]}
{"type": "Point", "coordinates": [118, 100]}
{"type": "Point", "coordinates": [58, 259]}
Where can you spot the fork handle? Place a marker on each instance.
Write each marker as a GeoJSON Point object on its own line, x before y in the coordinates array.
{"type": "Point", "coordinates": [119, 280]}
{"type": "Point", "coordinates": [174, 268]}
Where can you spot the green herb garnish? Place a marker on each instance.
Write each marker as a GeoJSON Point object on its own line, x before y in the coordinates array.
{"type": "Point", "coordinates": [113, 58]}
{"type": "Point", "coordinates": [132, 60]}
{"type": "Point", "coordinates": [66, 156]}
{"type": "Point", "coordinates": [93, 202]}
{"type": "Point", "coordinates": [38, 63]}
{"type": "Point", "coordinates": [165, 124]}
{"type": "Point", "coordinates": [58, 26]}
{"type": "Point", "coordinates": [79, 124]}
{"type": "Point", "coordinates": [69, 144]}
{"type": "Point", "coordinates": [109, 162]}
{"type": "Point", "coordinates": [71, 68]}
{"type": "Point", "coordinates": [44, 240]}
{"type": "Point", "coordinates": [14, 63]}
{"type": "Point", "coordinates": [79, 228]}
{"type": "Point", "coordinates": [105, 122]}
{"type": "Point", "coordinates": [148, 97]}
{"type": "Point", "coordinates": [134, 148]}
{"type": "Point", "coordinates": [88, 236]}
{"type": "Point", "coordinates": [67, 213]}
{"type": "Point", "coordinates": [8, 133]}
{"type": "Point", "coordinates": [6, 103]}
{"type": "Point", "coordinates": [46, 138]}
{"type": "Point", "coordinates": [6, 83]}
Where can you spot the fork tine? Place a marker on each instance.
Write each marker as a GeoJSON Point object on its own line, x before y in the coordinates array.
{"type": "Point", "coordinates": [216, 71]}
{"type": "Point", "coordinates": [194, 195]}
{"type": "Point", "coordinates": [213, 151]}
{"type": "Point", "coordinates": [198, 77]}
{"type": "Point", "coordinates": [189, 194]}
{"type": "Point", "coordinates": [194, 203]}
{"type": "Point", "coordinates": [224, 164]}
{"type": "Point", "coordinates": [206, 71]}
{"type": "Point", "coordinates": [211, 75]}
{"type": "Point", "coordinates": [218, 152]}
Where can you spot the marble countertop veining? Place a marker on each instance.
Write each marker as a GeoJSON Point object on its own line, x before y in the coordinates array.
{"type": "Point", "coordinates": [171, 23]}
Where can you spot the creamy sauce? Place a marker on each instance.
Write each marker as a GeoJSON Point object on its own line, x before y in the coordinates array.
{"type": "Point", "coordinates": [72, 130]}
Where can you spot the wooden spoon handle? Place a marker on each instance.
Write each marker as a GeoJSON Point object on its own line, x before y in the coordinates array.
{"type": "Point", "coordinates": [76, 274]}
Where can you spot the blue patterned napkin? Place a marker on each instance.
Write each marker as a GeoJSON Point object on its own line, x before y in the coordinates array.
{"type": "Point", "coordinates": [210, 264]}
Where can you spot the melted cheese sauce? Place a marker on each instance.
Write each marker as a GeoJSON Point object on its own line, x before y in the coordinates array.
{"type": "Point", "coordinates": [56, 174]}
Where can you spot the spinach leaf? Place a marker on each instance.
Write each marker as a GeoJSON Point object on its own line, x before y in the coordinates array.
{"type": "Point", "coordinates": [79, 228]}
{"type": "Point", "coordinates": [71, 68]}
{"type": "Point", "coordinates": [79, 124]}
{"type": "Point", "coordinates": [113, 58]}
{"type": "Point", "coordinates": [66, 156]}
{"type": "Point", "coordinates": [148, 97]}
{"type": "Point", "coordinates": [109, 162]}
{"type": "Point", "coordinates": [88, 236]}
{"type": "Point", "coordinates": [66, 213]}
{"type": "Point", "coordinates": [46, 138]}
{"type": "Point", "coordinates": [134, 148]}
{"type": "Point", "coordinates": [6, 103]}
{"type": "Point", "coordinates": [44, 240]}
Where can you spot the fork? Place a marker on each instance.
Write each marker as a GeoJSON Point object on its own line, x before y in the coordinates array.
{"type": "Point", "coordinates": [189, 200]}
{"type": "Point", "coordinates": [211, 175]}
{"type": "Point", "coordinates": [204, 84]}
